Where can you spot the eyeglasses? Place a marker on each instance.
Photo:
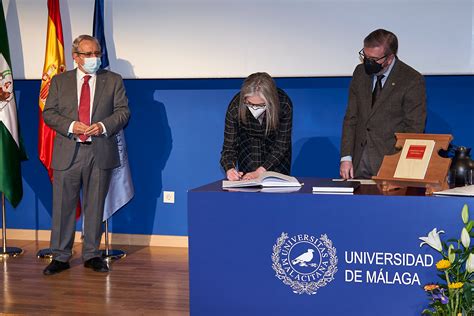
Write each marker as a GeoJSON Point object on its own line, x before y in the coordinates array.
{"type": "Point", "coordinates": [362, 56]}
{"type": "Point", "coordinates": [89, 54]}
{"type": "Point", "coordinates": [255, 106]}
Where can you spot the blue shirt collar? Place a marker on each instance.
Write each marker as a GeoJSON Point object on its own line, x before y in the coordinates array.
{"type": "Point", "coordinates": [386, 74]}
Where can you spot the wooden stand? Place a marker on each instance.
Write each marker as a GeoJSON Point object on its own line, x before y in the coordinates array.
{"type": "Point", "coordinates": [436, 174]}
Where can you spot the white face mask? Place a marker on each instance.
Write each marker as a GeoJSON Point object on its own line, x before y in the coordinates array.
{"type": "Point", "coordinates": [257, 112]}
{"type": "Point", "coordinates": [91, 64]}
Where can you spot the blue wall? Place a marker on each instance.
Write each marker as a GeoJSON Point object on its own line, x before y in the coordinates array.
{"type": "Point", "coordinates": [175, 136]}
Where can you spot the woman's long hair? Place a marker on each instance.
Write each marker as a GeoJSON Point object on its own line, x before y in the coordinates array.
{"type": "Point", "coordinates": [261, 84]}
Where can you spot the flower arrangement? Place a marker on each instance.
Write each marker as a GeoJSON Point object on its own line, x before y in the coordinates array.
{"type": "Point", "coordinates": [454, 295]}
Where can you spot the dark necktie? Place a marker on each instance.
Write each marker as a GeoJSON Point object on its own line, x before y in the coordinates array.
{"type": "Point", "coordinates": [85, 105]}
{"type": "Point", "coordinates": [378, 89]}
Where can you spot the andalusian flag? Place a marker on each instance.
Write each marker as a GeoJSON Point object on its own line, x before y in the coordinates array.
{"type": "Point", "coordinates": [54, 63]}
{"type": "Point", "coordinates": [11, 145]}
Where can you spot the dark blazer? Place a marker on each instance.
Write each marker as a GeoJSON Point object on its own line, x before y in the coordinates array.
{"type": "Point", "coordinates": [110, 106]}
{"type": "Point", "coordinates": [401, 108]}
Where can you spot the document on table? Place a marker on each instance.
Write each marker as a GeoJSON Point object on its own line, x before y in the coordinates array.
{"type": "Point", "coordinates": [467, 190]}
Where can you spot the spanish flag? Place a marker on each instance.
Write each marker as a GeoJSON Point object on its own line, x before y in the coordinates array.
{"type": "Point", "coordinates": [54, 64]}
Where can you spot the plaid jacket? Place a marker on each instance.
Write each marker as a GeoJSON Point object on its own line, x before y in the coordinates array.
{"type": "Point", "coordinates": [246, 147]}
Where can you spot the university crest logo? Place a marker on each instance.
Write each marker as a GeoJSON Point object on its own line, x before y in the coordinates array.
{"type": "Point", "coordinates": [304, 262]}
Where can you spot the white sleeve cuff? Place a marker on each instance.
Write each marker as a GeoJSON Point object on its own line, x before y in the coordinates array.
{"type": "Point", "coordinates": [71, 128]}
{"type": "Point", "coordinates": [346, 158]}
{"type": "Point", "coordinates": [104, 131]}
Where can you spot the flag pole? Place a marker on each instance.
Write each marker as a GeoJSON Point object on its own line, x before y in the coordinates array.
{"type": "Point", "coordinates": [7, 251]}
{"type": "Point", "coordinates": [111, 254]}
{"type": "Point", "coordinates": [54, 63]}
{"type": "Point", "coordinates": [123, 171]}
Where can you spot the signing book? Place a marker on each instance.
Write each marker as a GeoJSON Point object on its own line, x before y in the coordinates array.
{"type": "Point", "coordinates": [267, 179]}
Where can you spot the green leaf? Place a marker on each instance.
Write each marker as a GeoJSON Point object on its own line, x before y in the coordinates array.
{"type": "Point", "coordinates": [468, 293]}
{"type": "Point", "coordinates": [470, 225]}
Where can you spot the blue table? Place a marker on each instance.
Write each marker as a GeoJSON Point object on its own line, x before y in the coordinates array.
{"type": "Point", "coordinates": [254, 253]}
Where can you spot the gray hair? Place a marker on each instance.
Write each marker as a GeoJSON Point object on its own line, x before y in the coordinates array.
{"type": "Point", "coordinates": [261, 84]}
{"type": "Point", "coordinates": [84, 37]}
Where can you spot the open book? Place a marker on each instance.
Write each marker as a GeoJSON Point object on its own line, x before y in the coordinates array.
{"type": "Point", "coordinates": [267, 179]}
{"type": "Point", "coordinates": [264, 189]}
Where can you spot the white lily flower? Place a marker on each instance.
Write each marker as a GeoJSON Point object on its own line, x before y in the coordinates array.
{"type": "Point", "coordinates": [465, 238]}
{"type": "Point", "coordinates": [470, 263]}
{"type": "Point", "coordinates": [433, 240]}
{"type": "Point", "coordinates": [465, 214]}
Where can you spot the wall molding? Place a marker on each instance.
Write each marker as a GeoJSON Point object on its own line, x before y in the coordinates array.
{"type": "Point", "coordinates": [115, 239]}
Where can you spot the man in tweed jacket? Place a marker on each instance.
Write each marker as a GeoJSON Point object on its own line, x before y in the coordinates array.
{"type": "Point", "coordinates": [374, 114]}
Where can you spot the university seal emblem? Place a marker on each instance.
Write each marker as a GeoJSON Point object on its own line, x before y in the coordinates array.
{"type": "Point", "coordinates": [304, 262]}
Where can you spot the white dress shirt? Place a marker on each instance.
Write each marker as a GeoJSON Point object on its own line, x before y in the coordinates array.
{"type": "Point", "coordinates": [80, 80]}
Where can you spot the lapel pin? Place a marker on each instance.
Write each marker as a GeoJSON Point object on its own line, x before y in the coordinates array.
{"type": "Point", "coordinates": [393, 83]}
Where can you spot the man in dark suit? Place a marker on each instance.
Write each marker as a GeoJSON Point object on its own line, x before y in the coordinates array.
{"type": "Point", "coordinates": [86, 107]}
{"type": "Point", "coordinates": [386, 96]}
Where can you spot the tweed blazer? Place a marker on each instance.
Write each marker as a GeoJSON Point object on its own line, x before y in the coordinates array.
{"type": "Point", "coordinates": [110, 106]}
{"type": "Point", "coordinates": [400, 108]}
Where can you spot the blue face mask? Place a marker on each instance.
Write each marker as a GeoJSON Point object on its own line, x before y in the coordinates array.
{"type": "Point", "coordinates": [91, 64]}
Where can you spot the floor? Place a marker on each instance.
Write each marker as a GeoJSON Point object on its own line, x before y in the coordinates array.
{"type": "Point", "coordinates": [148, 281]}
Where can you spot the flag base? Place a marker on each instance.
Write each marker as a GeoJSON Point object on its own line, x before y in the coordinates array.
{"type": "Point", "coordinates": [10, 252]}
{"type": "Point", "coordinates": [113, 254]}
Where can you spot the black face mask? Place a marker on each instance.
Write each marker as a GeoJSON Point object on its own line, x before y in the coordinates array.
{"type": "Point", "coordinates": [372, 67]}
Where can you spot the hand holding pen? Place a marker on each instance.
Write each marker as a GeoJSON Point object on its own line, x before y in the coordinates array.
{"type": "Point", "coordinates": [234, 175]}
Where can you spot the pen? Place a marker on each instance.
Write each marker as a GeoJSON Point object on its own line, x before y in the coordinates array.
{"type": "Point", "coordinates": [238, 174]}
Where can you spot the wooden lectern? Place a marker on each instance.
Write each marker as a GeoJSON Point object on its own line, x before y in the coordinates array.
{"type": "Point", "coordinates": [435, 177]}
